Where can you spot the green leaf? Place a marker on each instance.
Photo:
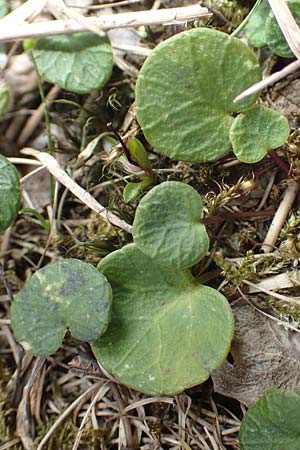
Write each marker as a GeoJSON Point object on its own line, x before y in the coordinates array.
{"type": "Point", "coordinates": [166, 333]}
{"type": "Point", "coordinates": [167, 225]}
{"type": "Point", "coordinates": [185, 92]}
{"type": "Point", "coordinates": [139, 154]}
{"type": "Point", "coordinates": [133, 190]}
{"type": "Point", "coordinates": [272, 423]}
{"type": "Point", "coordinates": [255, 30]}
{"type": "Point", "coordinates": [65, 294]}
{"type": "Point", "coordinates": [28, 44]}
{"type": "Point", "coordinates": [274, 37]}
{"type": "Point", "coordinates": [79, 63]}
{"type": "Point", "coordinates": [256, 131]}
{"type": "Point", "coordinates": [4, 98]}
{"type": "Point", "coordinates": [3, 8]}
{"type": "Point", "coordinates": [9, 193]}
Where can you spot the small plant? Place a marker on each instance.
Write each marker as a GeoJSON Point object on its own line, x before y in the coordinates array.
{"type": "Point", "coordinates": [185, 100]}
{"type": "Point", "coordinates": [68, 294]}
{"type": "Point", "coordinates": [272, 423]}
{"type": "Point", "coordinates": [139, 155]}
{"type": "Point", "coordinates": [263, 30]}
{"type": "Point", "coordinates": [9, 193]}
{"type": "Point", "coordinates": [79, 63]}
{"type": "Point", "coordinates": [166, 332]}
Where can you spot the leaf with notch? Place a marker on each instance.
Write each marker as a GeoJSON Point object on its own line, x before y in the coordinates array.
{"type": "Point", "coordinates": [256, 131]}
{"type": "Point", "coordinates": [167, 333]}
{"type": "Point", "coordinates": [68, 294]}
{"type": "Point", "coordinates": [168, 228]}
{"type": "Point", "coordinates": [186, 89]}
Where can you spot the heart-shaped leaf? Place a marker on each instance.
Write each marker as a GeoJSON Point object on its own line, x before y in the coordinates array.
{"type": "Point", "coordinates": [255, 30]}
{"type": "Point", "coordinates": [65, 294]}
{"type": "Point", "coordinates": [274, 37]}
{"type": "Point", "coordinates": [9, 193]}
{"type": "Point", "coordinates": [272, 423]}
{"type": "Point", "coordinates": [185, 92]}
{"type": "Point", "coordinates": [256, 131]}
{"type": "Point", "coordinates": [167, 225]}
{"type": "Point", "coordinates": [166, 333]}
{"type": "Point", "coordinates": [79, 63]}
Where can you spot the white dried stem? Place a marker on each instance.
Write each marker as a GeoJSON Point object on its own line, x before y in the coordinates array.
{"type": "Point", "coordinates": [54, 168]}
{"type": "Point", "coordinates": [105, 22]}
{"type": "Point", "coordinates": [283, 280]}
{"type": "Point", "coordinates": [277, 76]}
{"type": "Point", "coordinates": [60, 11]}
{"type": "Point", "coordinates": [280, 216]}
{"type": "Point", "coordinates": [27, 10]}
{"type": "Point", "coordinates": [281, 297]}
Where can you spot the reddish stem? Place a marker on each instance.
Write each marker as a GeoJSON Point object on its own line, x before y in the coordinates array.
{"type": "Point", "coordinates": [276, 158]}
{"type": "Point", "coordinates": [238, 215]}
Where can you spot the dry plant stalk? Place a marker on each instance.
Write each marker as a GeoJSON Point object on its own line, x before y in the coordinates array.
{"type": "Point", "coordinates": [280, 216]}
{"type": "Point", "coordinates": [54, 168]}
{"type": "Point", "coordinates": [104, 23]}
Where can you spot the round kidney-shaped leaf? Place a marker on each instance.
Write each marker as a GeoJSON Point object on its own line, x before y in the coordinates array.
{"type": "Point", "coordinates": [274, 37]}
{"type": "Point", "coordinates": [65, 294]}
{"type": "Point", "coordinates": [9, 193]}
{"type": "Point", "coordinates": [79, 63]}
{"type": "Point", "coordinates": [166, 333]}
{"type": "Point", "coordinates": [272, 423]}
{"type": "Point", "coordinates": [167, 225]}
{"type": "Point", "coordinates": [185, 92]}
{"type": "Point", "coordinates": [256, 131]}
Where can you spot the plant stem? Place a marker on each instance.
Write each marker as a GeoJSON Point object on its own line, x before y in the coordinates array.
{"type": "Point", "coordinates": [238, 215]}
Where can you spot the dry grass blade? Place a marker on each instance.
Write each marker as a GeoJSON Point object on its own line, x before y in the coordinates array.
{"type": "Point", "coordinates": [55, 169]}
{"type": "Point", "coordinates": [65, 414]}
{"type": "Point", "coordinates": [22, 13]}
{"type": "Point", "coordinates": [105, 22]}
{"type": "Point", "coordinates": [280, 216]}
{"type": "Point", "coordinates": [100, 394]}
